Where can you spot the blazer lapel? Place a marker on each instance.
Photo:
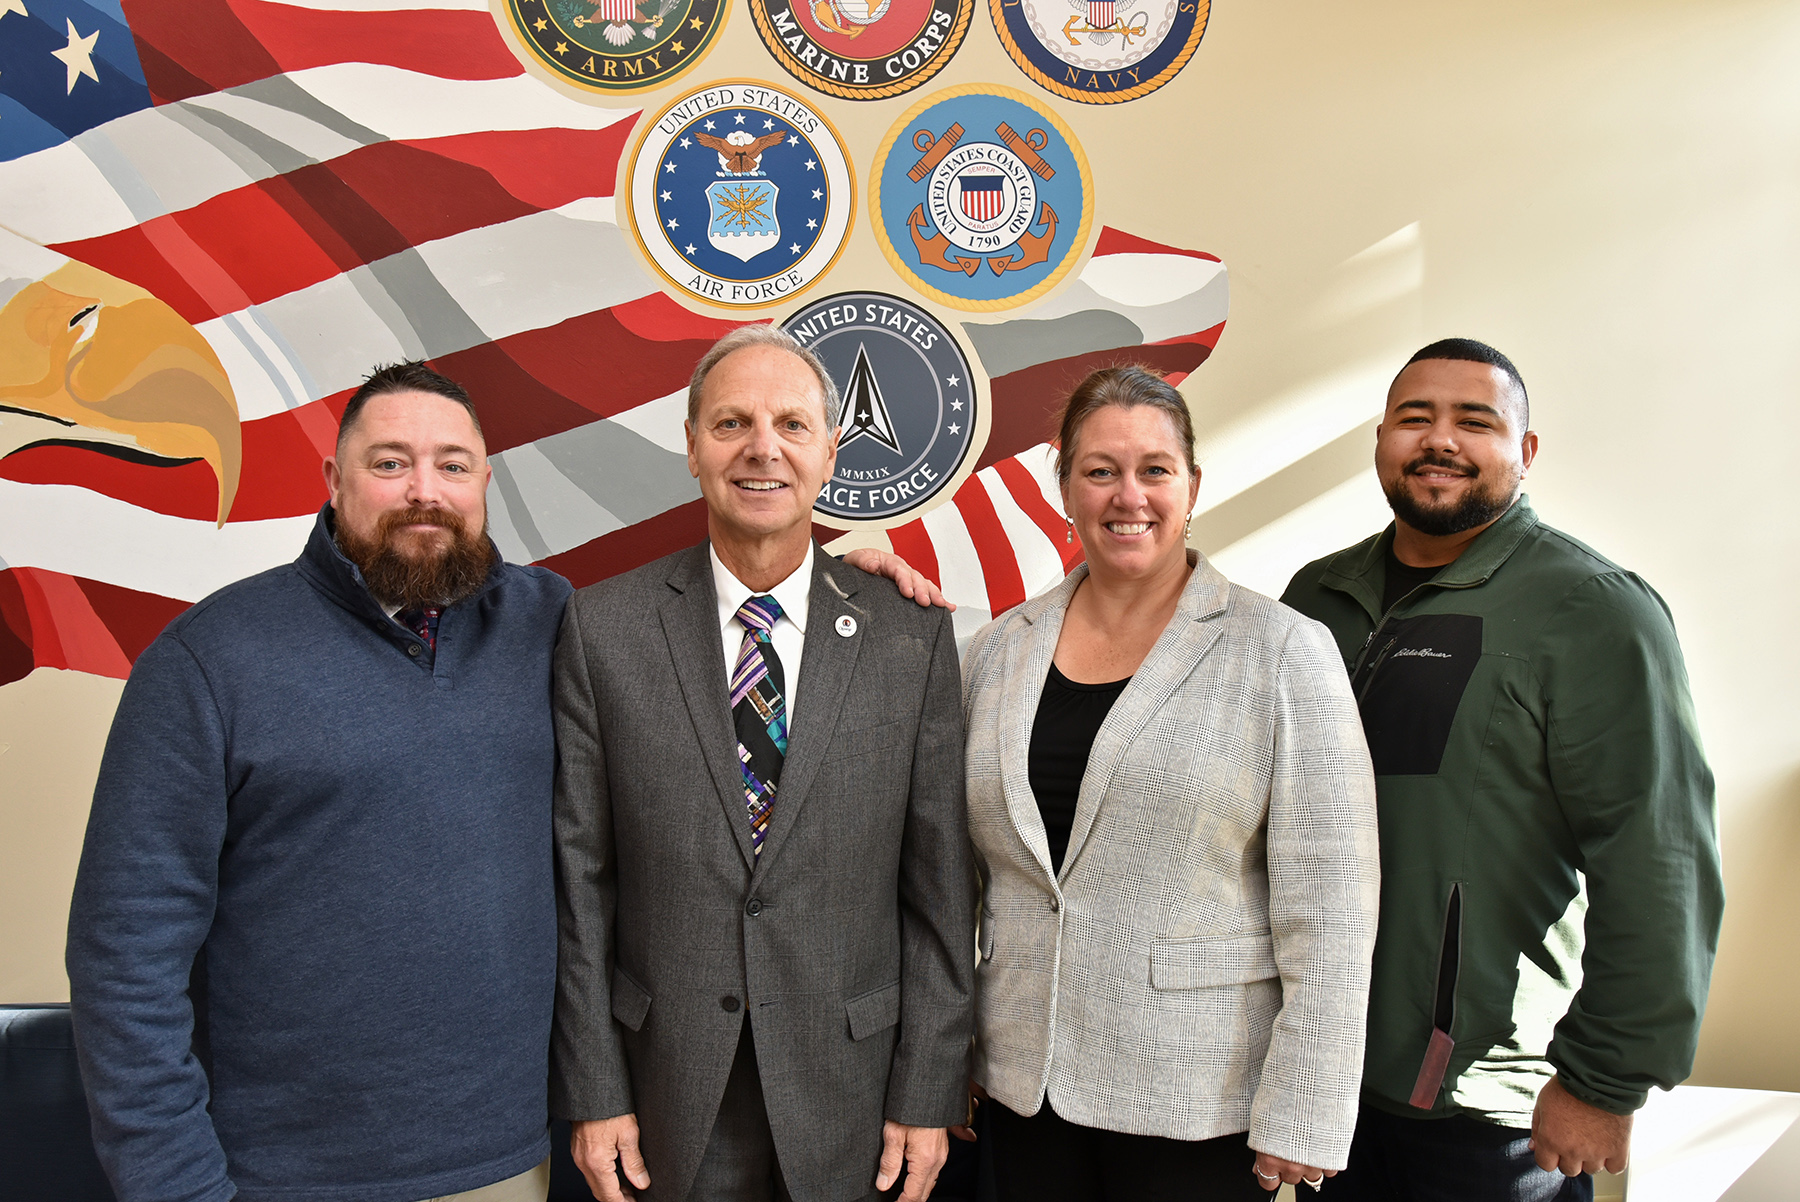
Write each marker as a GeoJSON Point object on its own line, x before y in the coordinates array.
{"type": "Point", "coordinates": [690, 621]}
{"type": "Point", "coordinates": [1021, 685]}
{"type": "Point", "coordinates": [1177, 652]}
{"type": "Point", "coordinates": [827, 664]}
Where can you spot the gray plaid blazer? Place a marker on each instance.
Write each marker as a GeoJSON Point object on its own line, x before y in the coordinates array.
{"type": "Point", "coordinates": [847, 940]}
{"type": "Point", "coordinates": [1201, 965]}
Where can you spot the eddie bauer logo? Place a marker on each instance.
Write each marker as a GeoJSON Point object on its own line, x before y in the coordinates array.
{"type": "Point", "coordinates": [1422, 653]}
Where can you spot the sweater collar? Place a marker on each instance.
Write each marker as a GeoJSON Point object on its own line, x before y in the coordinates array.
{"type": "Point", "coordinates": [1361, 570]}
{"type": "Point", "coordinates": [331, 570]}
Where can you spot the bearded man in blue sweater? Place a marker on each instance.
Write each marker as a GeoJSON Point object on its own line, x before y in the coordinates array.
{"type": "Point", "coordinates": [312, 949]}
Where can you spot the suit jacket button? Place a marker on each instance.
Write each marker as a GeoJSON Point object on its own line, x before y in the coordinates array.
{"type": "Point", "coordinates": [412, 649]}
{"type": "Point", "coordinates": [753, 907]}
{"type": "Point", "coordinates": [1056, 905]}
{"type": "Point", "coordinates": [728, 1004]}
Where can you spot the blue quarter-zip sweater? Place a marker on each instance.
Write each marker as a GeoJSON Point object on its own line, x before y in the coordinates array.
{"type": "Point", "coordinates": [312, 949]}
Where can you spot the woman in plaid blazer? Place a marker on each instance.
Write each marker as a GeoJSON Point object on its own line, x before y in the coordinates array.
{"type": "Point", "coordinates": [1174, 819]}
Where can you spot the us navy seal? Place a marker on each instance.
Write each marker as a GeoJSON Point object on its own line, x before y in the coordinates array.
{"type": "Point", "coordinates": [909, 407]}
{"type": "Point", "coordinates": [615, 45]}
{"type": "Point", "coordinates": [741, 194]}
{"type": "Point", "coordinates": [1100, 51]}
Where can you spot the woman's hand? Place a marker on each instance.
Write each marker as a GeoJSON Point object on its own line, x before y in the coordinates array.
{"type": "Point", "coordinates": [1272, 1172]}
{"type": "Point", "coordinates": [977, 1096]}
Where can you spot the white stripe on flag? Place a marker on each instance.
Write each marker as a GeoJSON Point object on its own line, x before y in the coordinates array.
{"type": "Point", "coordinates": [120, 544]}
{"type": "Point", "coordinates": [1040, 564]}
{"type": "Point", "coordinates": [373, 6]}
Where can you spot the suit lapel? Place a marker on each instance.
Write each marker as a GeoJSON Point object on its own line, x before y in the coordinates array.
{"type": "Point", "coordinates": [827, 664]}
{"type": "Point", "coordinates": [1178, 651]}
{"type": "Point", "coordinates": [690, 621]}
{"type": "Point", "coordinates": [1022, 685]}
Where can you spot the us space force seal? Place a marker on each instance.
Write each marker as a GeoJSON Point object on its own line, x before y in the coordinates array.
{"type": "Point", "coordinates": [908, 408]}
{"type": "Point", "coordinates": [741, 194]}
{"type": "Point", "coordinates": [981, 198]}
{"type": "Point", "coordinates": [616, 45]}
{"type": "Point", "coordinates": [1100, 51]}
{"type": "Point", "coordinates": [862, 49]}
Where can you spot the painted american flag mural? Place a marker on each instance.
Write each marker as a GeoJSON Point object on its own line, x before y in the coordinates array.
{"type": "Point", "coordinates": [216, 215]}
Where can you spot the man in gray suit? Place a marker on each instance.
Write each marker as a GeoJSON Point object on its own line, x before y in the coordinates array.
{"type": "Point", "coordinates": [765, 962]}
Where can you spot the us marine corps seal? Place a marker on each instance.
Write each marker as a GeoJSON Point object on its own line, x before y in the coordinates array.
{"type": "Point", "coordinates": [862, 49]}
{"type": "Point", "coordinates": [741, 194]}
{"type": "Point", "coordinates": [616, 45]}
{"type": "Point", "coordinates": [1100, 51]}
{"type": "Point", "coordinates": [981, 198]}
{"type": "Point", "coordinates": [908, 408]}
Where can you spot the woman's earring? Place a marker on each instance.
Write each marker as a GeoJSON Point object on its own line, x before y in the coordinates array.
{"type": "Point", "coordinates": [1190, 524]}
{"type": "Point", "coordinates": [1070, 536]}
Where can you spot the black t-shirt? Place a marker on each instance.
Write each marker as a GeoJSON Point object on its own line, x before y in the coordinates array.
{"type": "Point", "coordinates": [1068, 717]}
{"type": "Point", "coordinates": [1403, 578]}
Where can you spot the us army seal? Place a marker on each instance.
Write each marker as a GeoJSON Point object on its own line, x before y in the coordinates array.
{"type": "Point", "coordinates": [980, 197]}
{"type": "Point", "coordinates": [907, 417]}
{"type": "Point", "coordinates": [616, 45]}
{"type": "Point", "coordinates": [741, 194]}
{"type": "Point", "coordinates": [1100, 51]}
{"type": "Point", "coordinates": [862, 49]}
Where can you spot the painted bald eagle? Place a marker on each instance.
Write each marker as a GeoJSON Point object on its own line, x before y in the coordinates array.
{"type": "Point", "coordinates": [89, 360]}
{"type": "Point", "coordinates": [739, 153]}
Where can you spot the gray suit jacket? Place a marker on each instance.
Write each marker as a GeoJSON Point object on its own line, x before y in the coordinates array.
{"type": "Point", "coordinates": [1200, 966]}
{"type": "Point", "coordinates": [848, 939]}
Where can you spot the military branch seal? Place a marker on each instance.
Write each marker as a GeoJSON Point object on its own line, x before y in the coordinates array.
{"type": "Point", "coordinates": [862, 49]}
{"type": "Point", "coordinates": [909, 406]}
{"type": "Point", "coordinates": [980, 198]}
{"type": "Point", "coordinates": [1100, 51]}
{"type": "Point", "coordinates": [616, 45]}
{"type": "Point", "coordinates": [741, 194]}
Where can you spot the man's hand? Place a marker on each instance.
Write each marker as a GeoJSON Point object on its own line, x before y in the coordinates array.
{"type": "Point", "coordinates": [1272, 1172]}
{"type": "Point", "coordinates": [911, 583]}
{"type": "Point", "coordinates": [599, 1145]}
{"type": "Point", "coordinates": [1569, 1135]}
{"type": "Point", "coordinates": [922, 1150]}
{"type": "Point", "coordinates": [977, 1096]}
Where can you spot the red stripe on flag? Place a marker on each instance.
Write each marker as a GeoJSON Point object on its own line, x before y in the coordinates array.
{"type": "Point", "coordinates": [285, 233]}
{"type": "Point", "coordinates": [1118, 242]}
{"type": "Point", "coordinates": [632, 547]}
{"type": "Point", "coordinates": [999, 563]}
{"type": "Point", "coordinates": [62, 628]}
{"type": "Point", "coordinates": [913, 544]}
{"type": "Point", "coordinates": [205, 46]}
{"type": "Point", "coordinates": [1024, 489]}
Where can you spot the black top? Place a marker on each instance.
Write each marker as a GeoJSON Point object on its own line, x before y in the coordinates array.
{"type": "Point", "coordinates": [1403, 578]}
{"type": "Point", "coordinates": [1068, 717]}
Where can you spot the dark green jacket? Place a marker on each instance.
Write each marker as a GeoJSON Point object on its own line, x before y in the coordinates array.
{"type": "Point", "coordinates": [1550, 889]}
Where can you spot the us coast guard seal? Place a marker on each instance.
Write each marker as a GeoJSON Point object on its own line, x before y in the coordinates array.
{"type": "Point", "coordinates": [908, 412]}
{"type": "Point", "coordinates": [862, 49]}
{"type": "Point", "coordinates": [981, 198]}
{"type": "Point", "coordinates": [617, 45]}
{"type": "Point", "coordinates": [1100, 51]}
{"type": "Point", "coordinates": [741, 194]}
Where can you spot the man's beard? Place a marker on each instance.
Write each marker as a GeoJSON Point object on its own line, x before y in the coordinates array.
{"type": "Point", "coordinates": [429, 578]}
{"type": "Point", "coordinates": [1476, 507]}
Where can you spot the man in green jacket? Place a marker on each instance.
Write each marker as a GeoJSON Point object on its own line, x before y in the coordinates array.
{"type": "Point", "coordinates": [1550, 895]}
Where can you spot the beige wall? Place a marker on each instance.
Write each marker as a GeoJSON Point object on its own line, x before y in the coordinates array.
{"type": "Point", "coordinates": [1609, 191]}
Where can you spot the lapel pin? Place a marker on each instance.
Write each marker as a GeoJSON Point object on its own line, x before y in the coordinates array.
{"type": "Point", "coordinates": [846, 626]}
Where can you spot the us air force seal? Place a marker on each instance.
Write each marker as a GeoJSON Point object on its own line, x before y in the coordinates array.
{"type": "Point", "coordinates": [617, 45]}
{"type": "Point", "coordinates": [981, 198]}
{"type": "Point", "coordinates": [908, 409]}
{"type": "Point", "coordinates": [1100, 51]}
{"type": "Point", "coordinates": [741, 195]}
{"type": "Point", "coordinates": [862, 49]}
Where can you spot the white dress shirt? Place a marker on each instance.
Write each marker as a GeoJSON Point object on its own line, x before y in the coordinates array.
{"type": "Point", "coordinates": [789, 632]}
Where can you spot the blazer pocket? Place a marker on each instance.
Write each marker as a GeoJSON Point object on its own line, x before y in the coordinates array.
{"type": "Point", "coordinates": [876, 1010]}
{"type": "Point", "coordinates": [1211, 960]}
{"type": "Point", "coordinates": [630, 1001]}
{"type": "Point", "coordinates": [865, 741]}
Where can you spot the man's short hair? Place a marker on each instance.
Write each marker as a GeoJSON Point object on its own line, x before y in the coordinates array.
{"type": "Point", "coordinates": [762, 334]}
{"type": "Point", "coordinates": [404, 377]}
{"type": "Point", "coordinates": [1468, 350]}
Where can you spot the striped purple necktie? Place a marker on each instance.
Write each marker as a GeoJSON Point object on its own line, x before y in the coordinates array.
{"type": "Point", "coordinates": [759, 711]}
